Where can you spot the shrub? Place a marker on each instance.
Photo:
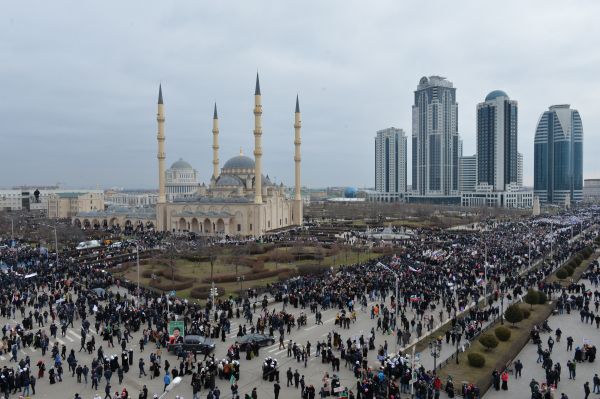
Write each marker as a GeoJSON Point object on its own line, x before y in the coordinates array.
{"type": "Point", "coordinates": [532, 297]}
{"type": "Point", "coordinates": [489, 341]}
{"type": "Point", "coordinates": [476, 359]}
{"type": "Point", "coordinates": [570, 270]}
{"type": "Point", "coordinates": [167, 285]}
{"type": "Point", "coordinates": [203, 292]}
{"type": "Point", "coordinates": [502, 333]}
{"type": "Point", "coordinates": [304, 270]}
{"type": "Point", "coordinates": [542, 298]}
{"type": "Point", "coordinates": [513, 314]}
{"type": "Point", "coordinates": [562, 273]}
{"type": "Point", "coordinates": [526, 313]}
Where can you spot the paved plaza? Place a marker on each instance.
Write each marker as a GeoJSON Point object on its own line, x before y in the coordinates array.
{"type": "Point", "coordinates": [570, 325]}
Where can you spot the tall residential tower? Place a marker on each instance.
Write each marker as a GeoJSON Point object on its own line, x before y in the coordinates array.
{"type": "Point", "coordinates": [390, 164]}
{"type": "Point", "coordinates": [497, 157]}
{"type": "Point", "coordinates": [435, 141]}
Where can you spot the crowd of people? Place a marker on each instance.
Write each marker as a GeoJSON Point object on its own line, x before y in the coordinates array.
{"type": "Point", "coordinates": [440, 274]}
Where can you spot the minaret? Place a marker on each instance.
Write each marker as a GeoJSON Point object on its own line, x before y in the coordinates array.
{"type": "Point", "coordinates": [298, 194]}
{"type": "Point", "coordinates": [160, 118]}
{"type": "Point", "coordinates": [257, 144]}
{"type": "Point", "coordinates": [215, 146]}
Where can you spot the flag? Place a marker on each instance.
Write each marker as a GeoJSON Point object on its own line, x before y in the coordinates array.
{"type": "Point", "coordinates": [412, 269]}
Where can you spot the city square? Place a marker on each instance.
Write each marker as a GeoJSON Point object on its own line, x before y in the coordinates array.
{"type": "Point", "coordinates": [342, 199]}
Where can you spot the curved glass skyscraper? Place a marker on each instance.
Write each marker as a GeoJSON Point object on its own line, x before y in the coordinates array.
{"type": "Point", "coordinates": [558, 156]}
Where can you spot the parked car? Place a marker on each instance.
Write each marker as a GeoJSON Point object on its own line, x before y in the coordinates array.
{"type": "Point", "coordinates": [194, 344]}
{"type": "Point", "coordinates": [260, 339]}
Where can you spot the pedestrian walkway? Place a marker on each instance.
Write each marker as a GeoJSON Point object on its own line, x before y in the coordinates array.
{"type": "Point", "coordinates": [570, 325]}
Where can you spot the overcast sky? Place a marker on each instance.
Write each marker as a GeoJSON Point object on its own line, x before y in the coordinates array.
{"type": "Point", "coordinates": [79, 80]}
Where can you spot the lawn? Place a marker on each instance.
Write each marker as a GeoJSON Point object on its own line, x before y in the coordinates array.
{"type": "Point", "coordinates": [199, 272]}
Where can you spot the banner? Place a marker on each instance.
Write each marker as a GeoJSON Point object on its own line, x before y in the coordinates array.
{"type": "Point", "coordinates": [176, 329]}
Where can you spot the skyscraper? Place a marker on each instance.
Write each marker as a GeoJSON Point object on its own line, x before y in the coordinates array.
{"type": "Point", "coordinates": [390, 164]}
{"type": "Point", "coordinates": [497, 159]}
{"type": "Point", "coordinates": [435, 141]}
{"type": "Point", "coordinates": [558, 156]}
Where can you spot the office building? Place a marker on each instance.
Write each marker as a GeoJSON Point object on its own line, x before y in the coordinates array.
{"type": "Point", "coordinates": [499, 164]}
{"type": "Point", "coordinates": [591, 190]}
{"type": "Point", "coordinates": [390, 165]}
{"type": "Point", "coordinates": [497, 159]}
{"type": "Point", "coordinates": [558, 156]}
{"type": "Point", "coordinates": [467, 173]}
{"type": "Point", "coordinates": [435, 142]}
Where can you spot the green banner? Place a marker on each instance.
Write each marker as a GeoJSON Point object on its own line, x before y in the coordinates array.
{"type": "Point", "coordinates": [176, 329]}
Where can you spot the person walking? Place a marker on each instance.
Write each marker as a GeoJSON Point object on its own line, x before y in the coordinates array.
{"type": "Point", "coordinates": [141, 366]}
{"type": "Point", "coordinates": [276, 389]}
{"type": "Point", "coordinates": [107, 390]}
{"type": "Point", "coordinates": [586, 389]}
{"type": "Point", "coordinates": [571, 366]}
{"type": "Point", "coordinates": [167, 381]}
{"type": "Point", "coordinates": [518, 368]}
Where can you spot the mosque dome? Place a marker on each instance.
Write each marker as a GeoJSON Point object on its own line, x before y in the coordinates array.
{"type": "Point", "coordinates": [229, 180]}
{"type": "Point", "coordinates": [181, 164]}
{"type": "Point", "coordinates": [495, 94]}
{"type": "Point", "coordinates": [239, 162]}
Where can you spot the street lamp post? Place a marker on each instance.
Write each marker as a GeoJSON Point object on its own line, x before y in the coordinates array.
{"type": "Point", "coordinates": [456, 335]}
{"type": "Point", "coordinates": [397, 298]}
{"type": "Point", "coordinates": [435, 349]}
{"type": "Point", "coordinates": [55, 241]}
{"type": "Point", "coordinates": [137, 253]}
{"type": "Point", "coordinates": [502, 308]}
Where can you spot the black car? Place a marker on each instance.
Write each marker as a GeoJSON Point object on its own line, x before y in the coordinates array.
{"type": "Point", "coordinates": [194, 344]}
{"type": "Point", "coordinates": [260, 339]}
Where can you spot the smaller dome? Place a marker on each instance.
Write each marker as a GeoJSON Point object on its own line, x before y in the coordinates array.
{"type": "Point", "coordinates": [350, 192]}
{"type": "Point", "coordinates": [239, 162]}
{"type": "Point", "coordinates": [229, 180]}
{"type": "Point", "coordinates": [495, 94]}
{"type": "Point", "coordinates": [181, 164]}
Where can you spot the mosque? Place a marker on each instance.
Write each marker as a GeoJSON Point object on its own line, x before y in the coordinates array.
{"type": "Point", "coordinates": [239, 200]}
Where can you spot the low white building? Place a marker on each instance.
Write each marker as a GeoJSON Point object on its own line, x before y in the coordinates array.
{"type": "Point", "coordinates": [36, 199]}
{"type": "Point", "coordinates": [499, 199]}
{"type": "Point", "coordinates": [131, 199]}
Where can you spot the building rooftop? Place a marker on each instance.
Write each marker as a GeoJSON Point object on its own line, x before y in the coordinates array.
{"type": "Point", "coordinates": [495, 94]}
{"type": "Point", "coordinates": [181, 164]}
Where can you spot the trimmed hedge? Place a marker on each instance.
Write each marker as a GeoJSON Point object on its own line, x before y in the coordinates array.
{"type": "Point", "coordinates": [203, 292]}
{"type": "Point", "coordinates": [542, 298]}
{"type": "Point", "coordinates": [167, 285]}
{"type": "Point", "coordinates": [532, 297]}
{"type": "Point", "coordinates": [304, 270]}
{"type": "Point", "coordinates": [562, 273]}
{"type": "Point", "coordinates": [502, 333]}
{"type": "Point", "coordinates": [476, 359]}
{"type": "Point", "coordinates": [513, 314]}
{"type": "Point", "coordinates": [489, 341]}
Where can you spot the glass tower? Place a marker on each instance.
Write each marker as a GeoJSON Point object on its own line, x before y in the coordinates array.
{"type": "Point", "coordinates": [558, 156]}
{"type": "Point", "coordinates": [435, 142]}
{"type": "Point", "coordinates": [390, 161]}
{"type": "Point", "coordinates": [497, 157]}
